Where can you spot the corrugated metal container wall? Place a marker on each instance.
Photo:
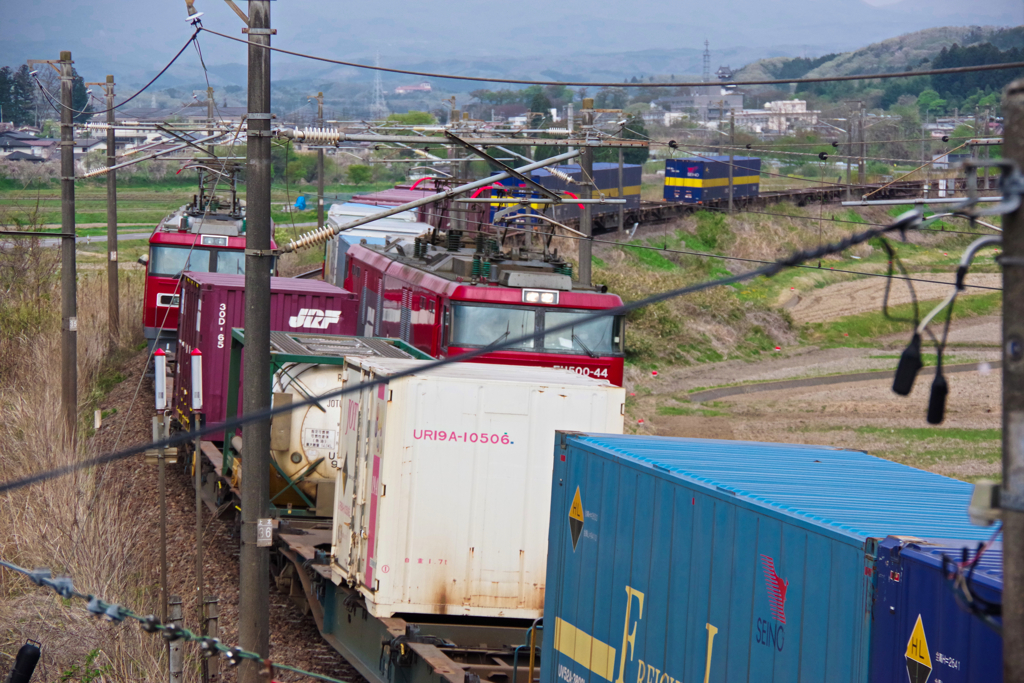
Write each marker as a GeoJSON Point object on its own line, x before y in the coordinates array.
{"type": "Point", "coordinates": [213, 303]}
{"type": "Point", "coordinates": [701, 180]}
{"type": "Point", "coordinates": [442, 494]}
{"type": "Point", "coordinates": [676, 560]}
{"type": "Point", "coordinates": [920, 631]}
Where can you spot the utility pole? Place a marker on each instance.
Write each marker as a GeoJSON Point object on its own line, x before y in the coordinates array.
{"type": "Point", "coordinates": [1012, 494]}
{"type": "Point", "coordinates": [586, 178]}
{"type": "Point", "coordinates": [254, 586]}
{"type": "Point", "coordinates": [113, 306]}
{"type": "Point", "coordinates": [622, 195]}
{"type": "Point", "coordinates": [732, 149]}
{"type": "Point", "coordinates": [849, 153]}
{"type": "Point", "coordinates": [209, 117]}
{"type": "Point", "coordinates": [68, 285]}
{"type": "Point", "coordinates": [320, 163]}
{"type": "Point", "coordinates": [862, 173]}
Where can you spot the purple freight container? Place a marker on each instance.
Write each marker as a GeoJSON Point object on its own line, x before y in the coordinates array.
{"type": "Point", "coordinates": [213, 303]}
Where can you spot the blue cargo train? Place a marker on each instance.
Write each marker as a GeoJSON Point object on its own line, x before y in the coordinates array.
{"type": "Point", "coordinates": [677, 560]}
{"type": "Point", "coordinates": [706, 179]}
{"type": "Point", "coordinates": [921, 631]}
{"type": "Point", "coordinates": [606, 178]}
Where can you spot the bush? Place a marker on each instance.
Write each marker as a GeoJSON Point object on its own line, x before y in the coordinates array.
{"type": "Point", "coordinates": [358, 174]}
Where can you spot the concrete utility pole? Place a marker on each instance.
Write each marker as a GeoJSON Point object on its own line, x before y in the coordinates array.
{"type": "Point", "coordinates": [209, 117]}
{"type": "Point", "coordinates": [113, 307]}
{"type": "Point", "coordinates": [732, 147]}
{"type": "Point", "coordinates": [68, 284]}
{"type": "Point", "coordinates": [862, 171]}
{"type": "Point", "coordinates": [320, 163]}
{"type": "Point", "coordinates": [1012, 494]}
{"type": "Point", "coordinates": [254, 580]}
{"type": "Point", "coordinates": [622, 195]}
{"type": "Point", "coordinates": [586, 178]}
{"type": "Point", "coordinates": [113, 304]}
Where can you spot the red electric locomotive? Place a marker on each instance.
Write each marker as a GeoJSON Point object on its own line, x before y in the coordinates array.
{"type": "Point", "coordinates": [447, 300]}
{"type": "Point", "coordinates": [204, 236]}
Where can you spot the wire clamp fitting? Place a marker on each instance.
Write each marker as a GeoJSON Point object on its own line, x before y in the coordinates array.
{"type": "Point", "coordinates": [1011, 183]}
{"type": "Point", "coordinates": [259, 252]}
{"type": "Point", "coordinates": [259, 117]}
{"type": "Point", "coordinates": [260, 31]}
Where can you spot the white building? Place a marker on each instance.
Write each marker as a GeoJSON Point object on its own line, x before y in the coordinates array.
{"type": "Point", "coordinates": [778, 117]}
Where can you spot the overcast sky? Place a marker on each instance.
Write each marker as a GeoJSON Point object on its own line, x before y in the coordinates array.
{"type": "Point", "coordinates": [133, 38]}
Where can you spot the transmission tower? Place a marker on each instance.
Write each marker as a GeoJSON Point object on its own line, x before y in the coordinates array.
{"type": "Point", "coordinates": [379, 108]}
{"type": "Point", "coordinates": [707, 62]}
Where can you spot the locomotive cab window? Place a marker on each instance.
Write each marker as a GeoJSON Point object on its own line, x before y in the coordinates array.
{"type": "Point", "coordinates": [173, 261]}
{"type": "Point", "coordinates": [486, 325]}
{"type": "Point", "coordinates": [601, 337]}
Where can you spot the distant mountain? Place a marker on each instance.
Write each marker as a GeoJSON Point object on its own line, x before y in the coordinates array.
{"type": "Point", "coordinates": [903, 53]}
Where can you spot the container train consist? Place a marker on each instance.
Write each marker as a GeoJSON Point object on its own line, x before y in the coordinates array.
{"type": "Point", "coordinates": [436, 524]}
{"type": "Point", "coordinates": [568, 179]}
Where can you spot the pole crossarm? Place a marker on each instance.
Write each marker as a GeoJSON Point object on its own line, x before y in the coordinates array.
{"type": "Point", "coordinates": [331, 136]}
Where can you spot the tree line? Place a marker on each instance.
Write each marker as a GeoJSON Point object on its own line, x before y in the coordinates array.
{"type": "Point", "coordinates": [23, 103]}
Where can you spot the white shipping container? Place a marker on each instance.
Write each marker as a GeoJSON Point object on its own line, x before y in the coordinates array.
{"type": "Point", "coordinates": [444, 483]}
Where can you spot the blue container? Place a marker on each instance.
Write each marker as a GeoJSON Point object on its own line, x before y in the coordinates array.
{"type": "Point", "coordinates": [706, 179]}
{"type": "Point", "coordinates": [679, 560]}
{"type": "Point", "coordinates": [950, 644]}
{"type": "Point", "coordinates": [606, 177]}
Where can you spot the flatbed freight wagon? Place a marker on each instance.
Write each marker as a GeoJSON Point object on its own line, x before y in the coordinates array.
{"type": "Point", "coordinates": [677, 560]}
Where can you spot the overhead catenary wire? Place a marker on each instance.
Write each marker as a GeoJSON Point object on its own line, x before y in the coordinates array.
{"type": "Point", "coordinates": [64, 587]}
{"type": "Point", "coordinates": [910, 220]}
{"type": "Point", "coordinates": [137, 93]}
{"type": "Point", "coordinates": [695, 84]}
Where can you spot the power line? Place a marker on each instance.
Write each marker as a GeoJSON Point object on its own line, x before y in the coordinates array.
{"type": "Point", "coordinates": [210, 647]}
{"type": "Point", "coordinates": [407, 72]}
{"type": "Point", "coordinates": [907, 222]}
{"type": "Point", "coordinates": [118, 106]}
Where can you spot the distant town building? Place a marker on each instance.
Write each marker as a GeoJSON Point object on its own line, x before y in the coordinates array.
{"type": "Point", "coordinates": [406, 89]}
{"type": "Point", "coordinates": [705, 103]}
{"type": "Point", "coordinates": [779, 117]}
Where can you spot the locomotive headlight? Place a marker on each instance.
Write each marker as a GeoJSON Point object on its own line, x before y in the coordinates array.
{"type": "Point", "coordinates": [539, 296]}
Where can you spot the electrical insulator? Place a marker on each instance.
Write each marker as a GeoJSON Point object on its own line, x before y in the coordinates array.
{"type": "Point", "coordinates": [160, 379]}
{"type": "Point", "coordinates": [197, 379]}
{"type": "Point", "coordinates": [562, 176]}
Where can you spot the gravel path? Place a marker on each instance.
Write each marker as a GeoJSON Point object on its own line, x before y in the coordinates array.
{"type": "Point", "coordinates": [861, 296]}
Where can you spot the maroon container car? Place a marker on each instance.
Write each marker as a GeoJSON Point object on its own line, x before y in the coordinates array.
{"type": "Point", "coordinates": [213, 303]}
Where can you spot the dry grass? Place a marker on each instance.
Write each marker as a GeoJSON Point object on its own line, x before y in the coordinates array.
{"type": "Point", "coordinates": [65, 524]}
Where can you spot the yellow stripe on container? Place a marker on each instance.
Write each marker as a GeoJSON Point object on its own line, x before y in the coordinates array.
{"type": "Point", "coordinates": [712, 182]}
{"type": "Point", "coordinates": [614, 191]}
{"type": "Point", "coordinates": [585, 649]}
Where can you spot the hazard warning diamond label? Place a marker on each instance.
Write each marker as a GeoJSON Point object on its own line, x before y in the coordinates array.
{"type": "Point", "coordinates": [919, 660]}
{"type": "Point", "coordinates": [576, 518]}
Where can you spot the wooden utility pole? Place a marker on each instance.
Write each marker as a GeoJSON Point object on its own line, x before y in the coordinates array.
{"type": "Point", "coordinates": [254, 586]}
{"type": "Point", "coordinates": [68, 274]}
{"type": "Point", "coordinates": [586, 178]}
{"type": "Point", "coordinates": [1012, 493]}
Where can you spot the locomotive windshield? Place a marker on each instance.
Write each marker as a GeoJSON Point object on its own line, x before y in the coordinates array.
{"type": "Point", "coordinates": [483, 325]}
{"type": "Point", "coordinates": [167, 261]}
{"type": "Point", "coordinates": [172, 261]}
